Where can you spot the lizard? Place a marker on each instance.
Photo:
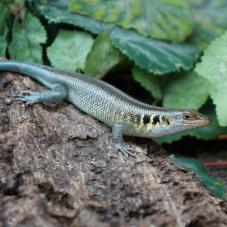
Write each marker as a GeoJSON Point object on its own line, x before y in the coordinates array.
{"type": "Point", "coordinates": [123, 113]}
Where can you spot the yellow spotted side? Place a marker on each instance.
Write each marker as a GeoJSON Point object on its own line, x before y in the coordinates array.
{"type": "Point", "coordinates": [144, 122]}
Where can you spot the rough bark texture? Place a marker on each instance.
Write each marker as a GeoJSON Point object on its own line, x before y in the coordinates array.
{"type": "Point", "coordinates": [58, 168]}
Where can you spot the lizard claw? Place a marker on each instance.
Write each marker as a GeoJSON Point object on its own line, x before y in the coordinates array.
{"type": "Point", "coordinates": [125, 149]}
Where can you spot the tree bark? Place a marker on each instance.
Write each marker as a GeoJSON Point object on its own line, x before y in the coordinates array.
{"type": "Point", "coordinates": [58, 168]}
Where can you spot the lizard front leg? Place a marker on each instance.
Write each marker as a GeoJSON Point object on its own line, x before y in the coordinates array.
{"type": "Point", "coordinates": [117, 135]}
{"type": "Point", "coordinates": [59, 92]}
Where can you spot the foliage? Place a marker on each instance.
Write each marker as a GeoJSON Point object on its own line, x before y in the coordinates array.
{"type": "Point", "coordinates": [171, 20]}
{"type": "Point", "coordinates": [69, 50]}
{"type": "Point", "coordinates": [214, 68]}
{"type": "Point", "coordinates": [103, 57]}
{"type": "Point", "coordinates": [26, 39]}
{"type": "Point", "coordinates": [56, 12]}
{"type": "Point", "coordinates": [3, 28]}
{"type": "Point", "coordinates": [209, 20]}
{"type": "Point", "coordinates": [157, 42]}
{"type": "Point", "coordinates": [155, 56]}
{"type": "Point", "coordinates": [148, 81]}
{"type": "Point", "coordinates": [197, 167]}
{"type": "Point", "coordinates": [181, 92]}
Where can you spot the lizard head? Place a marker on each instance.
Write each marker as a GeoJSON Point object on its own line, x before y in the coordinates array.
{"type": "Point", "coordinates": [190, 119]}
{"type": "Point", "coordinates": [174, 121]}
{"type": "Point", "coordinates": [182, 120]}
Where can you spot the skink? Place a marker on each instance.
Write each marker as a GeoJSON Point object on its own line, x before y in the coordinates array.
{"type": "Point", "coordinates": [124, 114]}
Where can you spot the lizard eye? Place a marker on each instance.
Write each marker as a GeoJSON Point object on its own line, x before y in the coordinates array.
{"type": "Point", "coordinates": [187, 117]}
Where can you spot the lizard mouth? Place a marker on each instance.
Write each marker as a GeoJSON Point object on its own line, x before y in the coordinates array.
{"type": "Point", "coordinates": [205, 120]}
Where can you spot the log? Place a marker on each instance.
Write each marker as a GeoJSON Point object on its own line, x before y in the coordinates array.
{"type": "Point", "coordinates": [58, 167]}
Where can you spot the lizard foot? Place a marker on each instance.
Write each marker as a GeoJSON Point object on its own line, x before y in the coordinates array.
{"type": "Point", "coordinates": [29, 97]}
{"type": "Point", "coordinates": [47, 96]}
{"type": "Point", "coordinates": [125, 149]}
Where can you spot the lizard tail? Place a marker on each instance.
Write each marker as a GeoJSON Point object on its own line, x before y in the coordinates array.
{"type": "Point", "coordinates": [18, 67]}
{"type": "Point", "coordinates": [35, 71]}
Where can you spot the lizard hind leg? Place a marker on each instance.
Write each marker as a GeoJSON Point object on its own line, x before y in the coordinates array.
{"type": "Point", "coordinates": [59, 92]}
{"type": "Point", "coordinates": [117, 134]}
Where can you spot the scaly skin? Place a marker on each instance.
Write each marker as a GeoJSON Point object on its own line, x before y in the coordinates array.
{"type": "Point", "coordinates": [126, 115]}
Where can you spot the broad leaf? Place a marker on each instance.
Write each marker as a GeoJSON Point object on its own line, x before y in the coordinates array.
{"type": "Point", "coordinates": [156, 56]}
{"type": "Point", "coordinates": [27, 37]}
{"type": "Point", "coordinates": [148, 81]}
{"type": "Point", "coordinates": [186, 91]}
{"type": "Point", "coordinates": [210, 20]}
{"type": "Point", "coordinates": [69, 50]}
{"type": "Point", "coordinates": [214, 68]}
{"type": "Point", "coordinates": [3, 28]}
{"type": "Point", "coordinates": [163, 19]}
{"type": "Point", "coordinates": [103, 56]}
{"type": "Point", "coordinates": [3, 18]}
{"type": "Point", "coordinates": [205, 133]}
{"type": "Point", "coordinates": [197, 167]}
{"type": "Point", "coordinates": [56, 12]}
{"type": "Point", "coordinates": [3, 45]}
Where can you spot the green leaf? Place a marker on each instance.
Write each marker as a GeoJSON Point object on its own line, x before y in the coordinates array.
{"type": "Point", "coordinates": [103, 56]}
{"type": "Point", "coordinates": [194, 165]}
{"type": "Point", "coordinates": [156, 56]}
{"type": "Point", "coordinates": [3, 45]}
{"type": "Point", "coordinates": [3, 18]}
{"type": "Point", "coordinates": [26, 40]}
{"type": "Point", "coordinates": [210, 20]}
{"type": "Point", "coordinates": [214, 68]}
{"type": "Point", "coordinates": [163, 19]}
{"type": "Point", "coordinates": [3, 28]}
{"type": "Point", "coordinates": [148, 81]}
{"type": "Point", "coordinates": [69, 50]}
{"type": "Point", "coordinates": [186, 91]}
{"type": "Point", "coordinates": [15, 6]}
{"type": "Point", "coordinates": [55, 11]}
{"type": "Point", "coordinates": [206, 133]}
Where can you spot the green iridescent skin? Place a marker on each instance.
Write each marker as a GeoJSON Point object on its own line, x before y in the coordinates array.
{"type": "Point", "coordinates": [124, 114]}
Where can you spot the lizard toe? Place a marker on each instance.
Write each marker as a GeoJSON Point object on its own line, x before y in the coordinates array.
{"type": "Point", "coordinates": [125, 149]}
